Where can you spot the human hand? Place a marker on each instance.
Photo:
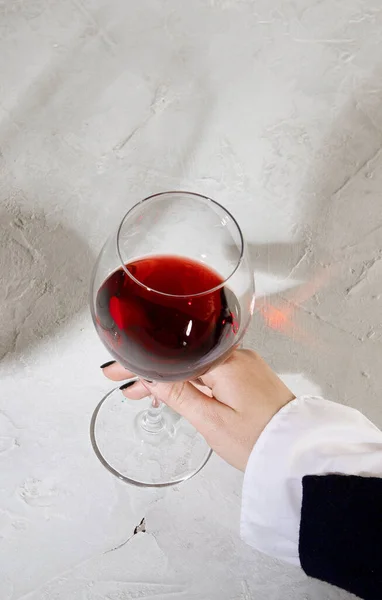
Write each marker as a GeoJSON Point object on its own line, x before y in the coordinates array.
{"type": "Point", "coordinates": [232, 407]}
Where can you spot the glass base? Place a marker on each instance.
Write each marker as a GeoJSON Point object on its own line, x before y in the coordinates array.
{"type": "Point", "coordinates": [173, 453]}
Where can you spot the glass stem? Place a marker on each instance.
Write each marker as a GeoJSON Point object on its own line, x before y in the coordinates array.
{"type": "Point", "coordinates": [152, 419]}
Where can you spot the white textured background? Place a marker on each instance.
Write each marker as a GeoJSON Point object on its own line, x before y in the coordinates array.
{"type": "Point", "coordinates": [274, 108]}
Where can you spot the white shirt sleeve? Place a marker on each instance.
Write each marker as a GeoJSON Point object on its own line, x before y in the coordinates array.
{"type": "Point", "coordinates": [308, 436]}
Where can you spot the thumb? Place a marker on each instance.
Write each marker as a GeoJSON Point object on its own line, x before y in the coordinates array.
{"type": "Point", "coordinates": [199, 409]}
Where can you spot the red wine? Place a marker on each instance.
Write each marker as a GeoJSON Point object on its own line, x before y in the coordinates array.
{"type": "Point", "coordinates": [154, 324]}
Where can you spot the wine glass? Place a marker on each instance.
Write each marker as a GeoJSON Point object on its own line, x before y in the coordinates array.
{"type": "Point", "coordinates": [172, 295]}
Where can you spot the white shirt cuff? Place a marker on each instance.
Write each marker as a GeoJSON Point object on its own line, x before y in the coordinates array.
{"type": "Point", "coordinates": [308, 436]}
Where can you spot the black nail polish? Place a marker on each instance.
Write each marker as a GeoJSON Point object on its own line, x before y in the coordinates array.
{"type": "Point", "coordinates": [107, 364]}
{"type": "Point", "coordinates": [127, 385]}
{"type": "Point", "coordinates": [148, 380]}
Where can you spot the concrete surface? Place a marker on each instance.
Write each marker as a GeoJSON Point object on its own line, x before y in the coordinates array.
{"type": "Point", "coordinates": [273, 107]}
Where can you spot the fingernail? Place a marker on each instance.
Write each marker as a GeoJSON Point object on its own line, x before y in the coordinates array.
{"type": "Point", "coordinates": [127, 385]}
{"type": "Point", "coordinates": [150, 381]}
{"type": "Point", "coordinates": [107, 364]}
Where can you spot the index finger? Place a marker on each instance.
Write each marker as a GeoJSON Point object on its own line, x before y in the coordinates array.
{"type": "Point", "coordinates": [117, 372]}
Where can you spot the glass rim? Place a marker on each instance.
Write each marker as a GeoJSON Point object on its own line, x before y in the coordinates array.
{"type": "Point", "coordinates": [200, 197]}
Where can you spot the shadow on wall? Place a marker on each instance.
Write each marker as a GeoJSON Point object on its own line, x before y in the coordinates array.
{"type": "Point", "coordinates": [44, 267]}
{"type": "Point", "coordinates": [44, 274]}
{"type": "Point", "coordinates": [329, 327]}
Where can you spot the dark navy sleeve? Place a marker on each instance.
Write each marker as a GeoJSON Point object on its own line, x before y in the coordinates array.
{"type": "Point", "coordinates": [340, 539]}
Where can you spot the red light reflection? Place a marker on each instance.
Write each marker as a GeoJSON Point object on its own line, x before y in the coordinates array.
{"type": "Point", "coordinates": [281, 318]}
